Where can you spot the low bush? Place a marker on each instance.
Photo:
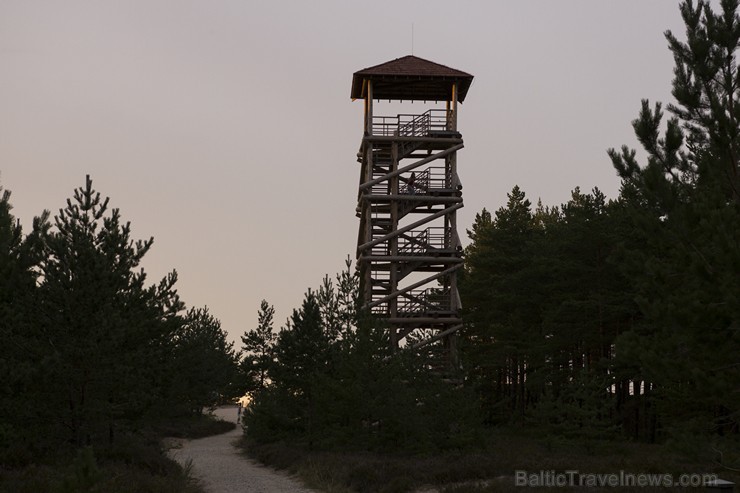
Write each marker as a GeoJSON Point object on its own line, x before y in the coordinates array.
{"type": "Point", "coordinates": [134, 462]}
{"type": "Point", "coordinates": [488, 468]}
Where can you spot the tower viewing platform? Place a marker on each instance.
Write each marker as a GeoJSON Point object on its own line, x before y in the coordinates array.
{"type": "Point", "coordinates": [408, 248]}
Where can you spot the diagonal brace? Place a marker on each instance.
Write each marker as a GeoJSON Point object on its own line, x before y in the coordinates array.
{"type": "Point", "coordinates": [433, 157]}
{"type": "Point", "coordinates": [400, 231]}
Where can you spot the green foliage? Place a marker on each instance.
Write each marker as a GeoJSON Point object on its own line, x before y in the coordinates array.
{"type": "Point", "coordinates": [84, 472]}
{"type": "Point", "coordinates": [303, 349]}
{"type": "Point", "coordinates": [303, 354]}
{"type": "Point", "coordinates": [11, 314]}
{"type": "Point", "coordinates": [684, 205]}
{"type": "Point", "coordinates": [257, 346]}
{"type": "Point", "coordinates": [599, 312]}
{"type": "Point", "coordinates": [545, 300]}
{"type": "Point", "coordinates": [583, 409]}
{"type": "Point", "coordinates": [20, 351]}
{"type": "Point", "coordinates": [92, 355]}
{"type": "Point", "coordinates": [204, 363]}
{"type": "Point", "coordinates": [335, 384]}
{"type": "Point", "coordinates": [581, 318]}
{"type": "Point", "coordinates": [134, 462]}
{"type": "Point", "coordinates": [190, 426]}
{"type": "Point", "coordinates": [103, 328]}
{"type": "Point", "coordinates": [639, 295]}
{"type": "Point", "coordinates": [501, 304]}
{"type": "Point", "coordinates": [132, 465]}
{"type": "Point", "coordinates": [491, 469]}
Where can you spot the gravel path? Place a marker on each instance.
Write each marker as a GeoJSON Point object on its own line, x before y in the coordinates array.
{"type": "Point", "coordinates": [221, 468]}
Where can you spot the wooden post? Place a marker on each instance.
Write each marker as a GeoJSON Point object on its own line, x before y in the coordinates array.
{"type": "Point", "coordinates": [453, 120]}
{"type": "Point", "coordinates": [369, 108]}
{"type": "Point", "coordinates": [367, 208]}
{"type": "Point", "coordinates": [393, 302]}
{"type": "Point", "coordinates": [450, 341]}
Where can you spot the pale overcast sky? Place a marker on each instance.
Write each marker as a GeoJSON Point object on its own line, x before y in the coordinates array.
{"type": "Point", "coordinates": [224, 128]}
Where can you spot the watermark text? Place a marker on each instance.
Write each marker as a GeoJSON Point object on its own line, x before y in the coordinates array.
{"type": "Point", "coordinates": [574, 478]}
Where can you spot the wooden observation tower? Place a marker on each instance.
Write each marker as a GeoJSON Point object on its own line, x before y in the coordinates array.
{"type": "Point", "coordinates": [408, 248]}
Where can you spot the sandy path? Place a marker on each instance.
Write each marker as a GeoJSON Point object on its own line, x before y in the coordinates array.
{"type": "Point", "coordinates": [221, 468]}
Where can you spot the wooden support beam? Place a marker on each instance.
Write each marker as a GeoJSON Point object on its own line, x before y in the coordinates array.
{"type": "Point", "coordinates": [453, 120]}
{"type": "Point", "coordinates": [369, 108]}
{"type": "Point", "coordinates": [379, 266]}
{"type": "Point", "coordinates": [411, 258]}
{"type": "Point", "coordinates": [434, 199]}
{"type": "Point", "coordinates": [439, 140]}
{"type": "Point", "coordinates": [393, 244]}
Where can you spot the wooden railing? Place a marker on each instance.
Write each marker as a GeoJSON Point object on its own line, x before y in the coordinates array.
{"type": "Point", "coordinates": [426, 180]}
{"type": "Point", "coordinates": [425, 301]}
{"type": "Point", "coordinates": [417, 242]}
{"type": "Point", "coordinates": [405, 125]}
{"type": "Point", "coordinates": [418, 301]}
{"type": "Point", "coordinates": [431, 178]}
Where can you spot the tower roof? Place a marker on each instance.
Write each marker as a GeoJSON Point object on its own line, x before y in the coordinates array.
{"type": "Point", "coordinates": [411, 78]}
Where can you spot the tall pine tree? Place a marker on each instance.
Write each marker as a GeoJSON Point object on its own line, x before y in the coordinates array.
{"type": "Point", "coordinates": [502, 306]}
{"type": "Point", "coordinates": [20, 346]}
{"type": "Point", "coordinates": [104, 331]}
{"type": "Point", "coordinates": [685, 207]}
{"type": "Point", "coordinates": [258, 346]}
{"type": "Point", "coordinates": [204, 362]}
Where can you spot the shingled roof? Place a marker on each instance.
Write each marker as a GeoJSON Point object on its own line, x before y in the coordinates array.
{"type": "Point", "coordinates": [411, 78]}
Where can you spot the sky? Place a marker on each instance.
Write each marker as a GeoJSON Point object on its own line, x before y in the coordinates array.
{"type": "Point", "coordinates": [225, 128]}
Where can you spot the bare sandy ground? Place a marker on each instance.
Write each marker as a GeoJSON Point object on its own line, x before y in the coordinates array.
{"type": "Point", "coordinates": [221, 468]}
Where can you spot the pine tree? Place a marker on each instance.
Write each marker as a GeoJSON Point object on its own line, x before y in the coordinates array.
{"type": "Point", "coordinates": [685, 206]}
{"type": "Point", "coordinates": [481, 226]}
{"type": "Point", "coordinates": [584, 290]}
{"type": "Point", "coordinates": [303, 348]}
{"type": "Point", "coordinates": [19, 341]}
{"type": "Point", "coordinates": [500, 293]}
{"type": "Point", "coordinates": [204, 362]}
{"type": "Point", "coordinates": [104, 331]}
{"type": "Point", "coordinates": [258, 346]}
{"type": "Point", "coordinates": [348, 298]}
{"type": "Point", "coordinates": [328, 301]}
{"type": "Point", "coordinates": [544, 303]}
{"type": "Point", "coordinates": [304, 356]}
{"type": "Point", "coordinates": [335, 383]}
{"type": "Point", "coordinates": [585, 307]}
